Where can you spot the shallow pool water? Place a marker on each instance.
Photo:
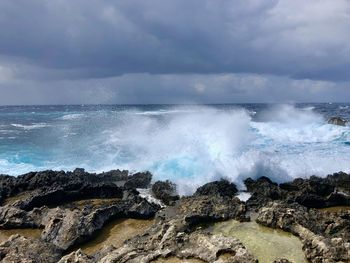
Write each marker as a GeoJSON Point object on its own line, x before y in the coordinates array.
{"type": "Point", "coordinates": [266, 244]}
{"type": "Point", "coordinates": [5, 234]}
{"type": "Point", "coordinates": [336, 209]}
{"type": "Point", "coordinates": [115, 233]}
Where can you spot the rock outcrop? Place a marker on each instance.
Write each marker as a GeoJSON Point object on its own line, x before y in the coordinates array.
{"type": "Point", "coordinates": [315, 192]}
{"type": "Point", "coordinates": [325, 237]}
{"type": "Point", "coordinates": [165, 191]}
{"type": "Point", "coordinates": [21, 249]}
{"type": "Point", "coordinates": [220, 188]}
{"type": "Point", "coordinates": [72, 207]}
{"type": "Point", "coordinates": [176, 233]}
{"type": "Point", "coordinates": [337, 121]}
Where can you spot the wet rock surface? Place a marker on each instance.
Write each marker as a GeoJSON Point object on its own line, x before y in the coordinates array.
{"type": "Point", "coordinates": [338, 121]}
{"type": "Point", "coordinates": [21, 249]}
{"type": "Point", "coordinates": [315, 192]}
{"type": "Point", "coordinates": [220, 188]}
{"type": "Point", "coordinates": [292, 207]}
{"type": "Point", "coordinates": [165, 191]}
{"type": "Point", "coordinates": [70, 208]}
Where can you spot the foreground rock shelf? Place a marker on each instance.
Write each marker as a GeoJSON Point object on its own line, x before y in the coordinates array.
{"type": "Point", "coordinates": [83, 217]}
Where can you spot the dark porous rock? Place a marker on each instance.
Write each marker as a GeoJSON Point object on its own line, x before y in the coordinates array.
{"type": "Point", "coordinates": [204, 209]}
{"type": "Point", "coordinates": [221, 188]}
{"type": "Point", "coordinates": [337, 121]}
{"type": "Point", "coordinates": [263, 190]}
{"type": "Point", "coordinates": [340, 180]}
{"type": "Point", "coordinates": [175, 234]}
{"type": "Point", "coordinates": [54, 188]}
{"type": "Point", "coordinates": [165, 191]}
{"type": "Point", "coordinates": [314, 228]}
{"type": "Point", "coordinates": [57, 196]}
{"type": "Point", "coordinates": [314, 192]}
{"type": "Point", "coordinates": [6, 185]}
{"type": "Point", "coordinates": [139, 180]}
{"type": "Point", "coordinates": [18, 249]}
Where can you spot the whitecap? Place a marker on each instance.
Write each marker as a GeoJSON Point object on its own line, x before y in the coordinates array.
{"type": "Point", "coordinates": [72, 116]}
{"type": "Point", "coordinates": [30, 126]}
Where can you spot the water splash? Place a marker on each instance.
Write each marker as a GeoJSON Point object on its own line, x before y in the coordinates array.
{"type": "Point", "coordinates": [188, 145]}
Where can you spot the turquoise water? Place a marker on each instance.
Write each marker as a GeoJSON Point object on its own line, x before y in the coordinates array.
{"type": "Point", "coordinates": [187, 144]}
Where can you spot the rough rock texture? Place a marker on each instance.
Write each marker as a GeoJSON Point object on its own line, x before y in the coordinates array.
{"type": "Point", "coordinates": [54, 188]}
{"type": "Point", "coordinates": [221, 188]}
{"type": "Point", "coordinates": [165, 191]}
{"type": "Point", "coordinates": [77, 257]}
{"type": "Point", "coordinates": [337, 121]}
{"type": "Point", "coordinates": [263, 191]}
{"type": "Point", "coordinates": [66, 225]}
{"type": "Point", "coordinates": [176, 233]}
{"type": "Point", "coordinates": [315, 192]}
{"type": "Point", "coordinates": [71, 207]}
{"type": "Point", "coordinates": [18, 249]}
{"type": "Point", "coordinates": [66, 228]}
{"type": "Point", "coordinates": [319, 192]}
{"type": "Point", "coordinates": [325, 238]}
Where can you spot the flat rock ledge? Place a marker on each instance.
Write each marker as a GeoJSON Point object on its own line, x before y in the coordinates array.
{"type": "Point", "coordinates": [71, 208]}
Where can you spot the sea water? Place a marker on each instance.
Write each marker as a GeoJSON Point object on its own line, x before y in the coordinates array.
{"type": "Point", "coordinates": [190, 145]}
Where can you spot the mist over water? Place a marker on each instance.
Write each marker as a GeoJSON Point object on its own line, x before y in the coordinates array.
{"type": "Point", "coordinates": [189, 145]}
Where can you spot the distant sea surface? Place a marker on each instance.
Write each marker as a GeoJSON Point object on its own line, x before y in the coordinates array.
{"type": "Point", "coordinates": [189, 145]}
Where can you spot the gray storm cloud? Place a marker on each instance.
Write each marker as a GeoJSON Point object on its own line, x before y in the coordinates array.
{"type": "Point", "coordinates": [173, 51]}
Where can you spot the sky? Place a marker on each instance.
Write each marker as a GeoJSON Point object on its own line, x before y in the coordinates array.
{"type": "Point", "coordinates": [179, 51]}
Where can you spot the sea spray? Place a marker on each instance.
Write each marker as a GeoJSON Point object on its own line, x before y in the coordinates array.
{"type": "Point", "coordinates": [189, 145]}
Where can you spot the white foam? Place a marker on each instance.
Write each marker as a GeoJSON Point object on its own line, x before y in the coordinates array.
{"type": "Point", "coordinates": [244, 196]}
{"type": "Point", "coordinates": [72, 116]}
{"type": "Point", "coordinates": [146, 193]}
{"type": "Point", "coordinates": [30, 126]}
{"type": "Point", "coordinates": [207, 144]}
{"type": "Point", "coordinates": [202, 144]}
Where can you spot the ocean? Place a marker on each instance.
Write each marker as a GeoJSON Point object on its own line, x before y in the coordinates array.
{"type": "Point", "coordinates": [190, 145]}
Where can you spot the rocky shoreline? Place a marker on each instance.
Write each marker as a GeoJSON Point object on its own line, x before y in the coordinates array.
{"type": "Point", "coordinates": [70, 208]}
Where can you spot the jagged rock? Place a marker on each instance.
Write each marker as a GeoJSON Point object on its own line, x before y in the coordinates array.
{"type": "Point", "coordinates": [337, 121]}
{"type": "Point", "coordinates": [77, 257]}
{"type": "Point", "coordinates": [221, 188]}
{"type": "Point", "coordinates": [66, 228]}
{"type": "Point", "coordinates": [203, 209]}
{"type": "Point", "coordinates": [13, 217]}
{"type": "Point", "coordinates": [139, 180]}
{"type": "Point", "coordinates": [18, 249]}
{"type": "Point", "coordinates": [165, 191]}
{"type": "Point", "coordinates": [57, 187]}
{"type": "Point", "coordinates": [314, 192]}
{"type": "Point", "coordinates": [309, 227]}
{"type": "Point", "coordinates": [263, 191]}
{"type": "Point", "coordinates": [59, 196]}
{"type": "Point", "coordinates": [175, 234]}
{"type": "Point", "coordinates": [178, 231]}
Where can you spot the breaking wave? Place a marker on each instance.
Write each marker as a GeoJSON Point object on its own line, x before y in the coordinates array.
{"type": "Point", "coordinates": [195, 145]}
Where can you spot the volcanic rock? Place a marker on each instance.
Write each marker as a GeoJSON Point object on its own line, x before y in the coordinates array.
{"type": "Point", "coordinates": [337, 121]}
{"type": "Point", "coordinates": [165, 191]}
{"type": "Point", "coordinates": [18, 249]}
{"type": "Point", "coordinates": [221, 188]}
